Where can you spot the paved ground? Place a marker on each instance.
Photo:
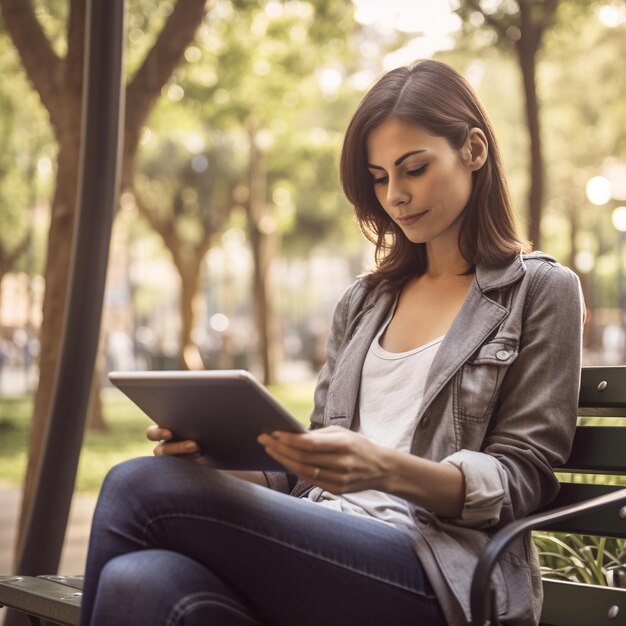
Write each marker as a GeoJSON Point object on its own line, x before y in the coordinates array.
{"type": "Point", "coordinates": [75, 547]}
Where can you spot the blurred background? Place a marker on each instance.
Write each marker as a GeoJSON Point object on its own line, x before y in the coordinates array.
{"type": "Point", "coordinates": [232, 241]}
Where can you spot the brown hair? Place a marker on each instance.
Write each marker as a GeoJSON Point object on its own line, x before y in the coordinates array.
{"type": "Point", "coordinates": [437, 98]}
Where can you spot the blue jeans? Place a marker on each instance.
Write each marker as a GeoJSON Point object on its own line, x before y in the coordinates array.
{"type": "Point", "coordinates": [174, 542]}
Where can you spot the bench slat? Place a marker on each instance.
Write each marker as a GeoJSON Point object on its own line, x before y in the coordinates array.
{"type": "Point", "coordinates": [605, 522]}
{"type": "Point", "coordinates": [46, 599]}
{"type": "Point", "coordinates": [572, 604]}
{"type": "Point", "coordinates": [598, 449]}
{"type": "Point", "coordinates": [603, 388]}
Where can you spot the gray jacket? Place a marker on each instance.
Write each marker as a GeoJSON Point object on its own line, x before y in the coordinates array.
{"type": "Point", "coordinates": [500, 404]}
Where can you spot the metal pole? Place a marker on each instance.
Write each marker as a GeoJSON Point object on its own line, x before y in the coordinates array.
{"type": "Point", "coordinates": [98, 189]}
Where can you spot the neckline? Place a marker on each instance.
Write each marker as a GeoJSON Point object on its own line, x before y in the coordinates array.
{"type": "Point", "coordinates": [386, 354]}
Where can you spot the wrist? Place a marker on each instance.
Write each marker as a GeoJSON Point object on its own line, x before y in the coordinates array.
{"type": "Point", "coordinates": [388, 468]}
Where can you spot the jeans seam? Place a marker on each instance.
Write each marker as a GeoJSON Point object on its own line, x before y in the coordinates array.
{"type": "Point", "coordinates": [193, 601]}
{"type": "Point", "coordinates": [288, 545]}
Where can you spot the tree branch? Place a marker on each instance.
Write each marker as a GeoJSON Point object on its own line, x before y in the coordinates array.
{"type": "Point", "coordinates": [551, 7]}
{"type": "Point", "coordinates": [160, 62]}
{"type": "Point", "coordinates": [499, 27]}
{"type": "Point", "coordinates": [163, 227]}
{"type": "Point", "coordinates": [41, 64]}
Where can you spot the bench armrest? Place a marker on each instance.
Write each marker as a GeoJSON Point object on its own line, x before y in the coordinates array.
{"type": "Point", "coordinates": [482, 600]}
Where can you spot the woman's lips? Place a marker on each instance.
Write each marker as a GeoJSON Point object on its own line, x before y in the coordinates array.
{"type": "Point", "coordinates": [407, 220]}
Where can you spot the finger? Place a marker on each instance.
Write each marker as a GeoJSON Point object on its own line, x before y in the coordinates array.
{"type": "Point", "coordinates": [302, 469]}
{"type": "Point", "coordinates": [156, 433]}
{"type": "Point", "coordinates": [300, 455]}
{"type": "Point", "coordinates": [328, 441]}
{"type": "Point", "coordinates": [176, 448]}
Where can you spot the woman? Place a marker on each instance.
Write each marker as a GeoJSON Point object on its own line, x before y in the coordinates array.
{"type": "Point", "coordinates": [448, 394]}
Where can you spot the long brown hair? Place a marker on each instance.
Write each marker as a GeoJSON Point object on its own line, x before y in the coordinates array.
{"type": "Point", "coordinates": [437, 98]}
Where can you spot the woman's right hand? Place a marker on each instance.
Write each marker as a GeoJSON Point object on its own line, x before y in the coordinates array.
{"type": "Point", "coordinates": [166, 447]}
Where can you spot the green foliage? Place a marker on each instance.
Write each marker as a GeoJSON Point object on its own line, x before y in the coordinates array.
{"type": "Point", "coordinates": [24, 139]}
{"type": "Point", "coordinates": [580, 558]}
{"type": "Point", "coordinates": [194, 190]}
{"type": "Point", "coordinates": [255, 69]}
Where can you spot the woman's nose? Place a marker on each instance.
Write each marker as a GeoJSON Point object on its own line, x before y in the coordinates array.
{"type": "Point", "coordinates": [397, 193]}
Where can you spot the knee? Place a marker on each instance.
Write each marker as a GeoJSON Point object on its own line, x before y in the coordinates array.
{"type": "Point", "coordinates": [124, 575]}
{"type": "Point", "coordinates": [130, 588]}
{"type": "Point", "coordinates": [138, 478]}
{"type": "Point", "coordinates": [144, 472]}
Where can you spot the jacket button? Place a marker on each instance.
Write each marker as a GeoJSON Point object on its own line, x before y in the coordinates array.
{"type": "Point", "coordinates": [424, 423]}
{"type": "Point", "coordinates": [502, 355]}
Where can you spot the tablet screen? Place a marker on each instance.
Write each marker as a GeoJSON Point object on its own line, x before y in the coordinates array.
{"type": "Point", "coordinates": [223, 410]}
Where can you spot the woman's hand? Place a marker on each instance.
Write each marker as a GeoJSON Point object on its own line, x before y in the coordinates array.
{"type": "Point", "coordinates": [166, 447]}
{"type": "Point", "coordinates": [333, 458]}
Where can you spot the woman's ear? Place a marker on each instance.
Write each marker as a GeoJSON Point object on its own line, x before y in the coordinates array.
{"type": "Point", "coordinates": [475, 150]}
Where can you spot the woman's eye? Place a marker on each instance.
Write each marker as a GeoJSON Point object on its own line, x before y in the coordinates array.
{"type": "Point", "coordinates": [418, 171]}
{"type": "Point", "coordinates": [380, 181]}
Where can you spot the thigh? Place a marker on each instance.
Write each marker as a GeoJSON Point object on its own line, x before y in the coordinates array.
{"type": "Point", "coordinates": [291, 561]}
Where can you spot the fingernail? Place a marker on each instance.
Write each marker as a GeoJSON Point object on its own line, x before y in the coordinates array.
{"type": "Point", "coordinates": [190, 446]}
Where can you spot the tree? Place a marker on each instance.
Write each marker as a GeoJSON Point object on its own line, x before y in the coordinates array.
{"type": "Point", "coordinates": [59, 81]}
{"type": "Point", "coordinates": [521, 24]}
{"type": "Point", "coordinates": [252, 81]}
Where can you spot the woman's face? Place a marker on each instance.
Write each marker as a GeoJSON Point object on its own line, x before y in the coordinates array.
{"type": "Point", "coordinates": [420, 180]}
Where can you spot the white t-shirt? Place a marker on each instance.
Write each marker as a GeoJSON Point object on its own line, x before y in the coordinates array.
{"type": "Point", "coordinates": [391, 392]}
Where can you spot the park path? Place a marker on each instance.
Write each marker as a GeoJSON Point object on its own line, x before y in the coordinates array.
{"type": "Point", "coordinates": [75, 546]}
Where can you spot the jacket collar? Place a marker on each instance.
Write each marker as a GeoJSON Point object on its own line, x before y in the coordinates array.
{"type": "Point", "coordinates": [489, 279]}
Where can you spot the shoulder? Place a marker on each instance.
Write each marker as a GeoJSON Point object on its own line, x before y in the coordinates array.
{"type": "Point", "coordinates": [546, 273]}
{"type": "Point", "coordinates": [359, 293]}
{"type": "Point", "coordinates": [529, 271]}
{"type": "Point", "coordinates": [359, 297]}
{"type": "Point", "coordinates": [552, 289]}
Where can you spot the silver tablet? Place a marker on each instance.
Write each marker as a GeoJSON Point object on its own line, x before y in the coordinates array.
{"type": "Point", "coordinates": [223, 410]}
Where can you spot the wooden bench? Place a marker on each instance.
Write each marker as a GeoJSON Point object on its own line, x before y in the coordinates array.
{"type": "Point", "coordinates": [590, 509]}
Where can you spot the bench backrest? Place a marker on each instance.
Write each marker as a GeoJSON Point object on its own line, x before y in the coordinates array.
{"type": "Point", "coordinates": [598, 451]}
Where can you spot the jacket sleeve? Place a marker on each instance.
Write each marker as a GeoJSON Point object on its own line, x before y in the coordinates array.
{"type": "Point", "coordinates": [533, 424]}
{"type": "Point", "coordinates": [345, 310]}
{"type": "Point", "coordinates": [344, 316]}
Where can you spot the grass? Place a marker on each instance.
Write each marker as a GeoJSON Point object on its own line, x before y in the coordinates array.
{"type": "Point", "coordinates": [124, 439]}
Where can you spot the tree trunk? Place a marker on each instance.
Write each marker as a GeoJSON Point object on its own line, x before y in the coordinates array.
{"type": "Point", "coordinates": [262, 235]}
{"type": "Point", "coordinates": [189, 356]}
{"type": "Point", "coordinates": [534, 18]}
{"type": "Point", "coordinates": [95, 414]}
{"type": "Point", "coordinates": [527, 59]}
{"type": "Point", "coordinates": [56, 277]}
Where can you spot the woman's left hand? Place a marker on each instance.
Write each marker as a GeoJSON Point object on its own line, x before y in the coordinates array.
{"type": "Point", "coordinates": [333, 458]}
